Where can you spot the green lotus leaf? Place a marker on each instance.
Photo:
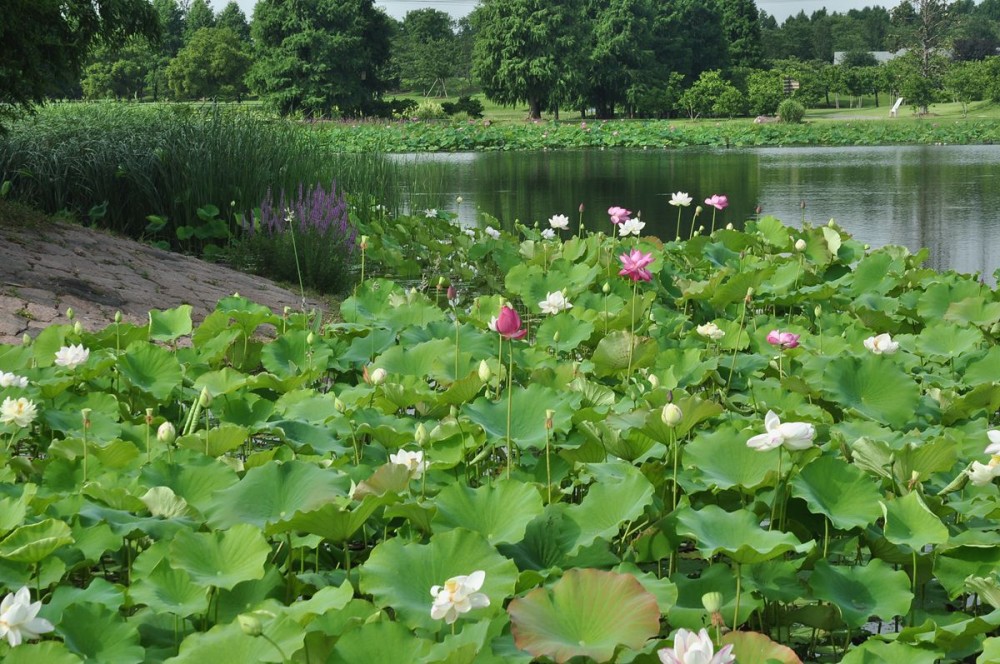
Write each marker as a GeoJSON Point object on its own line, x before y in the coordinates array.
{"type": "Point", "coordinates": [98, 634]}
{"type": "Point", "coordinates": [973, 310]}
{"type": "Point", "coordinates": [987, 587]}
{"type": "Point", "coordinates": [756, 648]}
{"type": "Point", "coordinates": [425, 359]}
{"type": "Point", "coordinates": [388, 478]}
{"type": "Point", "coordinates": [334, 521]}
{"type": "Point", "coordinates": [216, 441]}
{"type": "Point", "coordinates": [872, 386]}
{"type": "Point", "coordinates": [171, 324]}
{"type": "Point", "coordinates": [470, 645]}
{"type": "Point", "coordinates": [50, 652]}
{"type": "Point", "coordinates": [527, 424]}
{"type": "Point", "coordinates": [499, 512]}
{"type": "Point", "coordinates": [13, 510]}
{"type": "Point", "coordinates": [374, 301]}
{"type": "Point", "coordinates": [619, 497]}
{"type": "Point", "coordinates": [586, 613]}
{"type": "Point", "coordinates": [325, 600]}
{"type": "Point", "coordinates": [954, 566]}
{"type": "Point", "coordinates": [290, 355]}
{"type": "Point", "coordinates": [194, 477]}
{"type": "Point", "coordinates": [663, 589]}
{"type": "Point", "coordinates": [572, 332]}
{"type": "Point", "coordinates": [983, 370]}
{"type": "Point", "coordinates": [161, 501]}
{"type": "Point", "coordinates": [735, 534]}
{"type": "Point", "coordinates": [612, 353]}
{"type": "Point", "coordinates": [991, 651]}
{"type": "Point", "coordinates": [945, 340]}
{"type": "Point", "coordinates": [875, 273]}
{"type": "Point", "coordinates": [935, 300]}
{"type": "Point", "coordinates": [223, 381]}
{"type": "Point", "coordinates": [305, 435]}
{"type": "Point", "coordinates": [275, 492]}
{"type": "Point", "coordinates": [400, 574]}
{"type": "Point", "coordinates": [35, 542]}
{"type": "Point", "coordinates": [862, 591]}
{"type": "Point", "coordinates": [874, 651]}
{"type": "Point", "coordinates": [364, 348]}
{"type": "Point", "coordinates": [151, 369]}
{"type": "Point", "coordinates": [168, 590]}
{"type": "Point", "coordinates": [124, 523]}
{"type": "Point", "coordinates": [909, 521]}
{"type": "Point", "coordinates": [221, 558]}
{"type": "Point", "coordinates": [722, 458]}
{"type": "Point", "coordinates": [838, 490]}
{"type": "Point", "coordinates": [98, 593]}
{"type": "Point", "coordinates": [381, 641]}
{"type": "Point", "coordinates": [228, 643]}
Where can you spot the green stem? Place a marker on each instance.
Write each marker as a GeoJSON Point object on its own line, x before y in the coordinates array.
{"type": "Point", "coordinates": [548, 465]}
{"type": "Point", "coordinates": [712, 232]}
{"type": "Point", "coordinates": [631, 341]}
{"type": "Point", "coordinates": [510, 402]}
{"type": "Point", "coordinates": [736, 611]}
{"type": "Point", "coordinates": [777, 486]}
{"type": "Point", "coordinates": [284, 658]}
{"type": "Point", "coordinates": [677, 235]}
{"type": "Point", "coordinates": [732, 365]}
{"type": "Point", "coordinates": [673, 443]}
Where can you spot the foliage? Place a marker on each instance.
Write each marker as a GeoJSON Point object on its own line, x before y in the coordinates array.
{"type": "Point", "coordinates": [710, 96]}
{"type": "Point", "coordinates": [429, 110]}
{"type": "Point", "coordinates": [473, 108]}
{"type": "Point", "coordinates": [211, 65]}
{"type": "Point", "coordinates": [791, 111]}
{"type": "Point", "coordinates": [426, 52]}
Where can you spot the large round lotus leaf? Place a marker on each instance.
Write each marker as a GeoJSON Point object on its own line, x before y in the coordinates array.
{"type": "Point", "coordinates": [862, 591]}
{"type": "Point", "coordinates": [909, 521]}
{"type": "Point", "coordinates": [35, 542]}
{"type": "Point", "coordinates": [870, 384]}
{"type": "Point", "coordinates": [735, 534]}
{"type": "Point", "coordinates": [170, 324]}
{"type": "Point", "coordinates": [275, 492]}
{"type": "Point", "coordinates": [168, 590]}
{"type": "Point", "coordinates": [216, 441]}
{"type": "Point", "coordinates": [572, 332]}
{"type": "Point", "coordinates": [721, 458]}
{"type": "Point", "coordinates": [151, 369]}
{"type": "Point", "coordinates": [98, 634]}
{"type": "Point", "coordinates": [221, 558]}
{"type": "Point", "coordinates": [400, 574]}
{"type": "Point", "coordinates": [193, 476]}
{"type": "Point", "coordinates": [689, 612]}
{"type": "Point", "coordinates": [873, 651]}
{"type": "Point", "coordinates": [991, 651]}
{"type": "Point", "coordinates": [945, 340]}
{"type": "Point", "coordinates": [954, 566]}
{"type": "Point", "coordinates": [424, 359]}
{"type": "Point", "coordinates": [223, 381]}
{"type": "Point", "coordinates": [228, 643]}
{"type": "Point", "coordinates": [336, 521]}
{"type": "Point", "coordinates": [499, 512]}
{"type": "Point", "coordinates": [374, 302]}
{"type": "Point", "coordinates": [586, 613]}
{"type": "Point", "coordinates": [527, 423]}
{"type": "Point", "coordinates": [756, 648]}
{"type": "Point", "coordinates": [50, 652]}
{"type": "Point", "coordinates": [839, 490]}
{"type": "Point", "coordinates": [381, 641]}
{"type": "Point", "coordinates": [290, 355]}
{"type": "Point", "coordinates": [620, 495]}
{"type": "Point", "coordinates": [612, 353]}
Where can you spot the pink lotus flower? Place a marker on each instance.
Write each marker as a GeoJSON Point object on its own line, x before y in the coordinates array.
{"type": "Point", "coordinates": [509, 324]}
{"type": "Point", "coordinates": [634, 265]}
{"type": "Point", "coordinates": [718, 202]}
{"type": "Point", "coordinates": [783, 339]}
{"type": "Point", "coordinates": [619, 215]}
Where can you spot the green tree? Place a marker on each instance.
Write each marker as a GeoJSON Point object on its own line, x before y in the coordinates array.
{"type": "Point", "coordinates": [427, 50]}
{"type": "Point", "coordinates": [689, 37]}
{"type": "Point", "coordinates": [171, 18]}
{"type": "Point", "coordinates": [212, 65]}
{"type": "Point", "coordinates": [765, 90]}
{"type": "Point", "coordinates": [232, 17]}
{"type": "Point", "coordinates": [119, 72]}
{"type": "Point", "coordinates": [709, 94]}
{"type": "Point", "coordinates": [528, 51]}
{"type": "Point", "coordinates": [44, 44]}
{"type": "Point", "coordinates": [741, 24]}
{"type": "Point", "coordinates": [922, 26]}
{"type": "Point", "coordinates": [199, 15]}
{"type": "Point", "coordinates": [320, 57]}
{"type": "Point", "coordinates": [967, 81]}
{"type": "Point", "coordinates": [621, 58]}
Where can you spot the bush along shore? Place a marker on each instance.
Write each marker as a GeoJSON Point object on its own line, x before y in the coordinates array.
{"type": "Point", "coordinates": [769, 443]}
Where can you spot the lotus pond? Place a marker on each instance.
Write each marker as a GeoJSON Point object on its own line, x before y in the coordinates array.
{"type": "Point", "coordinates": [536, 449]}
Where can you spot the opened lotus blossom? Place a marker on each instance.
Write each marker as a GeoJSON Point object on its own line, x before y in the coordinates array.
{"type": "Point", "coordinates": [508, 324]}
{"type": "Point", "coordinates": [982, 474]}
{"type": "Point", "coordinates": [21, 412]}
{"type": "Point", "coordinates": [634, 265]}
{"type": "Point", "coordinates": [413, 461]}
{"type": "Point", "coordinates": [548, 234]}
{"type": "Point", "coordinates": [72, 356]}
{"type": "Point", "coordinates": [492, 232]}
{"type": "Point", "coordinates": [783, 339]}
{"type": "Point", "coordinates": [679, 199]}
{"type": "Point", "coordinates": [559, 221]}
{"type": "Point", "coordinates": [790, 435]}
{"type": "Point", "coordinates": [718, 202]}
{"type": "Point", "coordinates": [711, 331]}
{"type": "Point", "coordinates": [881, 344]}
{"type": "Point", "coordinates": [458, 595]}
{"type": "Point", "coordinates": [619, 215]}
{"type": "Point", "coordinates": [554, 303]}
{"type": "Point", "coordinates": [18, 618]}
{"type": "Point", "coordinates": [8, 379]}
{"type": "Point", "coordinates": [692, 648]}
{"type": "Point", "coordinates": [430, 213]}
{"type": "Point", "coordinates": [631, 227]}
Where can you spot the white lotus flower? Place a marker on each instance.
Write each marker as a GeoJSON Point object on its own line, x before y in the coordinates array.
{"type": "Point", "coordinates": [680, 198]}
{"type": "Point", "coordinates": [20, 411]}
{"type": "Point", "coordinates": [72, 356]}
{"type": "Point", "coordinates": [559, 221]}
{"type": "Point", "coordinates": [12, 380]}
{"type": "Point", "coordinates": [881, 344]}
{"type": "Point", "coordinates": [492, 232]}
{"type": "Point", "coordinates": [711, 331]}
{"type": "Point", "coordinates": [430, 213]}
{"type": "Point", "coordinates": [378, 376]}
{"type": "Point", "coordinates": [554, 303]}
{"type": "Point", "coordinates": [791, 435]}
{"type": "Point", "coordinates": [470, 232]}
{"type": "Point", "coordinates": [691, 648]}
{"type": "Point", "coordinates": [994, 446]}
{"type": "Point", "coordinates": [548, 234]}
{"type": "Point", "coordinates": [982, 474]}
{"type": "Point", "coordinates": [18, 618]}
{"type": "Point", "coordinates": [631, 227]}
{"type": "Point", "coordinates": [414, 462]}
{"type": "Point", "coordinates": [458, 595]}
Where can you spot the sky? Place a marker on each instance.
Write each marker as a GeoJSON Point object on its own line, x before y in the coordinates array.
{"type": "Point", "coordinates": [780, 9]}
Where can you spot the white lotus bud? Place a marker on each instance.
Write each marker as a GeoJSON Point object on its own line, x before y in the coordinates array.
{"type": "Point", "coordinates": [671, 415]}
{"type": "Point", "coordinates": [484, 371]}
{"type": "Point", "coordinates": [378, 376]}
{"type": "Point", "coordinates": [166, 433]}
{"type": "Point", "coordinates": [800, 245]}
{"type": "Point", "coordinates": [421, 435]}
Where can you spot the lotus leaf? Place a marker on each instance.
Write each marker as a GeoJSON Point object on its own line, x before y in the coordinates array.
{"type": "Point", "coordinates": [908, 521]}
{"type": "Point", "coordinates": [735, 534]}
{"type": "Point", "coordinates": [839, 491]}
{"type": "Point", "coordinates": [96, 633]}
{"type": "Point", "coordinates": [862, 591]}
{"type": "Point", "coordinates": [222, 558]}
{"type": "Point", "coordinates": [171, 324]}
{"type": "Point", "coordinates": [500, 512]}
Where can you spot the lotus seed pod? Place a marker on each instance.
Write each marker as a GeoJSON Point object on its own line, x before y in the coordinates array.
{"type": "Point", "coordinates": [484, 371]}
{"type": "Point", "coordinates": [421, 435]}
{"type": "Point", "coordinates": [671, 415]}
{"type": "Point", "coordinates": [549, 414]}
{"type": "Point", "coordinates": [118, 316]}
{"type": "Point", "coordinates": [364, 241]}
{"type": "Point", "coordinates": [378, 376]}
{"type": "Point", "coordinates": [166, 433]}
{"type": "Point", "coordinates": [250, 624]}
{"type": "Point", "coordinates": [712, 602]}
{"type": "Point", "coordinates": [800, 245]}
{"type": "Point", "coordinates": [205, 398]}
{"type": "Point", "coordinates": [85, 412]}
{"type": "Point", "coordinates": [70, 314]}
{"type": "Point", "coordinates": [149, 416]}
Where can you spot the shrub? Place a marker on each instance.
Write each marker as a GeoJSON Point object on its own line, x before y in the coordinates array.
{"type": "Point", "coordinates": [429, 110]}
{"type": "Point", "coordinates": [791, 111]}
{"type": "Point", "coordinates": [307, 240]}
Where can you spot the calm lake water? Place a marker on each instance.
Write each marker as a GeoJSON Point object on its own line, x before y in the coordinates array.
{"type": "Point", "coordinates": [945, 198]}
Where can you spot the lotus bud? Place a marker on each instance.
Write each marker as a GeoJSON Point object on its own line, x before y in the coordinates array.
{"type": "Point", "coordinates": [118, 317]}
{"type": "Point", "coordinates": [85, 412]}
{"type": "Point", "coordinates": [70, 314]}
{"type": "Point", "coordinates": [149, 417]}
{"type": "Point", "coordinates": [236, 293]}
{"type": "Point", "coordinates": [205, 398]}
{"type": "Point", "coordinates": [712, 602]}
{"type": "Point", "coordinates": [729, 226]}
{"type": "Point", "coordinates": [701, 228]}
{"type": "Point", "coordinates": [654, 382]}
{"type": "Point", "coordinates": [364, 241]}
{"type": "Point", "coordinates": [581, 208]}
{"type": "Point", "coordinates": [453, 412]}
{"type": "Point", "coordinates": [549, 414]}
{"type": "Point", "coordinates": [484, 371]}
{"type": "Point", "coordinates": [800, 245]}
{"type": "Point", "coordinates": [671, 415]}
{"type": "Point", "coordinates": [378, 376]}
{"type": "Point", "coordinates": [459, 200]}
{"type": "Point", "coordinates": [287, 310]}
{"type": "Point", "coordinates": [452, 293]}
{"type": "Point", "coordinates": [535, 226]}
{"type": "Point", "coordinates": [818, 311]}
{"type": "Point", "coordinates": [26, 339]}
{"type": "Point", "coordinates": [606, 288]}
{"type": "Point", "coordinates": [758, 209]}
{"type": "Point", "coordinates": [250, 624]}
{"type": "Point", "coordinates": [77, 328]}
{"type": "Point", "coordinates": [867, 247]}
{"type": "Point", "coordinates": [310, 339]}
{"type": "Point", "coordinates": [830, 224]}
{"type": "Point", "coordinates": [555, 336]}
{"type": "Point", "coordinates": [421, 435]}
{"type": "Point", "coordinates": [166, 434]}
{"type": "Point", "coordinates": [442, 282]}
{"type": "Point", "coordinates": [412, 293]}
{"type": "Point", "coordinates": [697, 210]}
{"type": "Point", "coordinates": [802, 205]}
{"type": "Point", "coordinates": [339, 405]}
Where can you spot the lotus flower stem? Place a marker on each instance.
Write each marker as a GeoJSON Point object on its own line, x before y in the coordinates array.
{"type": "Point", "coordinates": [777, 486]}
{"type": "Point", "coordinates": [712, 232]}
{"type": "Point", "coordinates": [739, 587]}
{"type": "Point", "coordinates": [678, 233]}
{"type": "Point", "coordinates": [732, 365]}
{"type": "Point", "coordinates": [510, 402]}
{"type": "Point", "coordinates": [631, 341]}
{"type": "Point", "coordinates": [674, 445]}
{"type": "Point", "coordinates": [284, 658]}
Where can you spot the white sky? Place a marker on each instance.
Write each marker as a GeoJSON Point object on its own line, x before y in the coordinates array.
{"type": "Point", "coordinates": [780, 9]}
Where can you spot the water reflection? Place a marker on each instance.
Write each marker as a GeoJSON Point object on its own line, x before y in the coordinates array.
{"type": "Point", "coordinates": [946, 198]}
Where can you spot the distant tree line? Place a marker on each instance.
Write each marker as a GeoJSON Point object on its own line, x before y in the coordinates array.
{"type": "Point", "coordinates": [602, 58]}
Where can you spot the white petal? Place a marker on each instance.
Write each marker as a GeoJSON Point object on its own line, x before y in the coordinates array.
{"type": "Point", "coordinates": [475, 581]}
{"type": "Point", "coordinates": [479, 600]}
{"type": "Point", "coordinates": [771, 421]}
{"type": "Point", "coordinates": [764, 442]}
{"type": "Point", "coordinates": [994, 446]}
{"type": "Point", "coordinates": [797, 431]}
